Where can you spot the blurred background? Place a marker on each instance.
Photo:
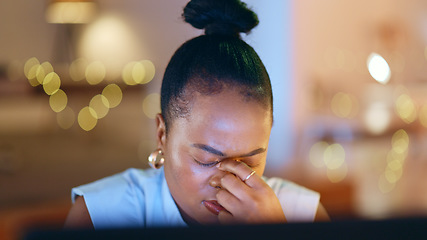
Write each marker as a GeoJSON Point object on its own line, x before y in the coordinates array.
{"type": "Point", "coordinates": [80, 83]}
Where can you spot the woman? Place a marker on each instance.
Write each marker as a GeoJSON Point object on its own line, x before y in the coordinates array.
{"type": "Point", "coordinates": [212, 138]}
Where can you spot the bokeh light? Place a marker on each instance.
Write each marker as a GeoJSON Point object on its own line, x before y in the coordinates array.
{"type": "Point", "coordinates": [32, 75]}
{"type": "Point", "coordinates": [113, 94]}
{"type": "Point", "coordinates": [86, 118]}
{"type": "Point", "coordinates": [395, 161]}
{"type": "Point", "coordinates": [44, 69]}
{"type": "Point", "coordinates": [338, 174]}
{"type": "Point", "coordinates": [95, 72]}
{"type": "Point", "coordinates": [406, 108]}
{"type": "Point", "coordinates": [150, 71]}
{"type": "Point", "coordinates": [316, 154]}
{"type": "Point", "coordinates": [400, 141]}
{"type": "Point", "coordinates": [151, 105]}
{"type": "Point", "coordinates": [58, 101]}
{"type": "Point", "coordinates": [334, 156]}
{"type": "Point", "coordinates": [77, 69]}
{"type": "Point", "coordinates": [377, 117]}
{"type": "Point", "coordinates": [141, 72]}
{"type": "Point", "coordinates": [66, 118]}
{"type": "Point", "coordinates": [40, 74]}
{"type": "Point", "coordinates": [138, 72]}
{"type": "Point", "coordinates": [51, 83]}
{"type": "Point", "coordinates": [423, 116]}
{"type": "Point", "coordinates": [344, 105]}
{"type": "Point", "coordinates": [127, 74]}
{"type": "Point", "coordinates": [28, 65]}
{"type": "Point", "coordinates": [379, 68]}
{"type": "Point", "coordinates": [100, 105]}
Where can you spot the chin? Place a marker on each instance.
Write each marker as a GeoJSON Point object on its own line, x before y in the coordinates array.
{"type": "Point", "coordinates": [204, 219]}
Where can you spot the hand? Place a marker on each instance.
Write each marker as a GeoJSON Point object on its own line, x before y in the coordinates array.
{"type": "Point", "coordinates": [246, 201]}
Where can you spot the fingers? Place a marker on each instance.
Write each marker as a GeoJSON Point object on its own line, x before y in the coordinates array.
{"type": "Point", "coordinates": [241, 170]}
{"type": "Point", "coordinates": [234, 185]}
{"type": "Point", "coordinates": [228, 200]}
{"type": "Point", "coordinates": [225, 217]}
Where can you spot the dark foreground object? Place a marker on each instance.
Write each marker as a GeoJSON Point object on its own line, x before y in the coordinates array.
{"type": "Point", "coordinates": [384, 229]}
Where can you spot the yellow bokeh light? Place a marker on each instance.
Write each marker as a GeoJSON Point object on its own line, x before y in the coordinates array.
{"type": "Point", "coordinates": [95, 72]}
{"type": "Point", "coordinates": [113, 94]}
{"type": "Point", "coordinates": [47, 66]}
{"type": "Point", "coordinates": [100, 105]}
{"type": "Point", "coordinates": [40, 74]}
{"type": "Point", "coordinates": [423, 116]}
{"type": "Point", "coordinates": [396, 160]}
{"type": "Point", "coordinates": [406, 108]}
{"type": "Point", "coordinates": [151, 105]}
{"type": "Point", "coordinates": [32, 75]}
{"type": "Point", "coordinates": [334, 156]}
{"type": "Point", "coordinates": [28, 65]}
{"type": "Point", "coordinates": [138, 72]}
{"type": "Point", "coordinates": [392, 176]}
{"type": "Point", "coordinates": [58, 101]}
{"type": "Point", "coordinates": [127, 74]}
{"type": "Point", "coordinates": [150, 71]}
{"type": "Point", "coordinates": [400, 141]}
{"type": "Point", "coordinates": [342, 105]}
{"type": "Point", "coordinates": [77, 69]}
{"type": "Point", "coordinates": [42, 70]}
{"type": "Point", "coordinates": [66, 118]}
{"type": "Point", "coordinates": [141, 72]}
{"type": "Point", "coordinates": [51, 83]}
{"type": "Point", "coordinates": [86, 118]}
{"type": "Point", "coordinates": [316, 153]}
{"type": "Point", "coordinates": [338, 174]}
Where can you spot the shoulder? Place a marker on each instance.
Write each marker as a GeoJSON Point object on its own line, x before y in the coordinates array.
{"type": "Point", "coordinates": [119, 200]}
{"type": "Point", "coordinates": [125, 181]}
{"type": "Point", "coordinates": [282, 186]}
{"type": "Point", "coordinates": [298, 203]}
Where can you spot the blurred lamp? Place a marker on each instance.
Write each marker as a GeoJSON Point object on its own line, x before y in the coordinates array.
{"type": "Point", "coordinates": [70, 11]}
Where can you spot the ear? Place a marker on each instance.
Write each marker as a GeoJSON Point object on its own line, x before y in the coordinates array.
{"type": "Point", "coordinates": [161, 131]}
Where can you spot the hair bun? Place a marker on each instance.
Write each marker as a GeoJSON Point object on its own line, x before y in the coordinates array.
{"type": "Point", "coordinates": [224, 17]}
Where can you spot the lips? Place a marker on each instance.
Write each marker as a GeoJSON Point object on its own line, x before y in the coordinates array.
{"type": "Point", "coordinates": [213, 206]}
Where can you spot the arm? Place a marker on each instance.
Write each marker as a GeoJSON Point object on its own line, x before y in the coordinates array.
{"type": "Point", "coordinates": [78, 217]}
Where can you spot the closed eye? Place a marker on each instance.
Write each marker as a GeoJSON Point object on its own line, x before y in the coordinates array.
{"type": "Point", "coordinates": [211, 164]}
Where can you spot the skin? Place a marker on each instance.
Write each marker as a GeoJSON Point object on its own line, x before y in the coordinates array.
{"type": "Point", "coordinates": [225, 129]}
{"type": "Point", "coordinates": [207, 156]}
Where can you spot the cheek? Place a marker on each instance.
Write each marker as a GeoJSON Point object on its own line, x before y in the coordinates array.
{"type": "Point", "coordinates": [185, 173]}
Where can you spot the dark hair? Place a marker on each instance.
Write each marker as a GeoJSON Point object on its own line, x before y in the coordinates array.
{"type": "Point", "coordinates": [217, 60]}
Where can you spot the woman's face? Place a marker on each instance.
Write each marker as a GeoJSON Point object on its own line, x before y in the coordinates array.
{"type": "Point", "coordinates": [221, 126]}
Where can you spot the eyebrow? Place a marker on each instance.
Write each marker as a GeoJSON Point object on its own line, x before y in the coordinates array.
{"type": "Point", "coordinates": [214, 151]}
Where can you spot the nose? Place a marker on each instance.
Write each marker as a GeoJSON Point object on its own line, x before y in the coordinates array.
{"type": "Point", "coordinates": [215, 180]}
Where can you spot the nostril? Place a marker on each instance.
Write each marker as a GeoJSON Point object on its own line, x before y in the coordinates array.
{"type": "Point", "coordinates": [215, 182]}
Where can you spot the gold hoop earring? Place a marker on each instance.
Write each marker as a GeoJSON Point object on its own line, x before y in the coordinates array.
{"type": "Point", "coordinates": [154, 160]}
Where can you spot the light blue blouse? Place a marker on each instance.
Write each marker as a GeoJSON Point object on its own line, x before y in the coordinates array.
{"type": "Point", "coordinates": [141, 198]}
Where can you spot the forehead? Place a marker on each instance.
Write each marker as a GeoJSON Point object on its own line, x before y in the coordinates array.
{"type": "Point", "coordinates": [226, 121]}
